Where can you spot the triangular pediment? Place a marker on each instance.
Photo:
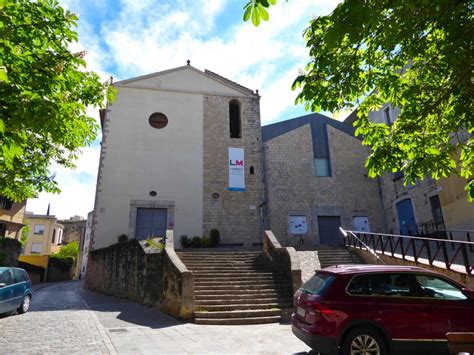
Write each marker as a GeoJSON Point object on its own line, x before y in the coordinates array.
{"type": "Point", "coordinates": [187, 79]}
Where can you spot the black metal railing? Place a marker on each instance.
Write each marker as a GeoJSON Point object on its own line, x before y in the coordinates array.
{"type": "Point", "coordinates": [435, 251]}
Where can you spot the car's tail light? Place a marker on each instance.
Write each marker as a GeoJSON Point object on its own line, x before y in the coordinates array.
{"type": "Point", "coordinates": [323, 309]}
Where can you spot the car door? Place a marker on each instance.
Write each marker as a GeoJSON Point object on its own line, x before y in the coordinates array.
{"type": "Point", "coordinates": [19, 287]}
{"type": "Point", "coordinates": [6, 291]}
{"type": "Point", "coordinates": [401, 313]}
{"type": "Point", "coordinates": [452, 311]}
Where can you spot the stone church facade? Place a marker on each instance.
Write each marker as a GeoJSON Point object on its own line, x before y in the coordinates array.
{"type": "Point", "coordinates": [184, 149]}
{"type": "Point", "coordinates": [165, 159]}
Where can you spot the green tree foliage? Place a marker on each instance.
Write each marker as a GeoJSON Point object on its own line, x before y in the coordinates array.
{"type": "Point", "coordinates": [44, 92]}
{"type": "Point", "coordinates": [70, 250]}
{"type": "Point", "coordinates": [415, 54]}
{"type": "Point", "coordinates": [25, 233]}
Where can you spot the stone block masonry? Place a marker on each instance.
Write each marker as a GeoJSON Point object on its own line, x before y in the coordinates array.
{"type": "Point", "coordinates": [236, 215]}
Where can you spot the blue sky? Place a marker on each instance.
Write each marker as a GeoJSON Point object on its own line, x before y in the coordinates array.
{"type": "Point", "coordinates": [126, 38]}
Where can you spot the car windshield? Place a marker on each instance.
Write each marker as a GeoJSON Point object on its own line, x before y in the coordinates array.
{"type": "Point", "coordinates": [317, 284]}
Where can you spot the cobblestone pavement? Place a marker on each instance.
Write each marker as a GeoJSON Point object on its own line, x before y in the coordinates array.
{"type": "Point", "coordinates": [66, 319]}
{"type": "Point", "coordinates": [58, 322]}
{"type": "Point", "coordinates": [309, 263]}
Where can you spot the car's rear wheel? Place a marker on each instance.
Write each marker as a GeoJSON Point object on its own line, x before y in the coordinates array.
{"type": "Point", "coordinates": [25, 305]}
{"type": "Point", "coordinates": [364, 341]}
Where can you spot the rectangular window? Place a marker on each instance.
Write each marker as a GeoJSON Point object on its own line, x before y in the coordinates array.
{"type": "Point", "coordinates": [321, 166]}
{"type": "Point", "coordinates": [36, 248]}
{"type": "Point", "coordinates": [39, 229]}
{"type": "Point", "coordinates": [386, 115]}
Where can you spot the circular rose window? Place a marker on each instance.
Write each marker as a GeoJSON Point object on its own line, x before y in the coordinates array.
{"type": "Point", "coordinates": [158, 120]}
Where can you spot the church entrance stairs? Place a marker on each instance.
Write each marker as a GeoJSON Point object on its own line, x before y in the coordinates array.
{"type": "Point", "coordinates": [237, 288]}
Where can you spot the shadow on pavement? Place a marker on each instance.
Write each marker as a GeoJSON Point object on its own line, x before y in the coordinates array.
{"type": "Point", "coordinates": [112, 312]}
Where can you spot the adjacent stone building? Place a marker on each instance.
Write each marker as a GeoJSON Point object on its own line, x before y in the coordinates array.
{"type": "Point", "coordinates": [315, 181]}
{"type": "Point", "coordinates": [180, 150]}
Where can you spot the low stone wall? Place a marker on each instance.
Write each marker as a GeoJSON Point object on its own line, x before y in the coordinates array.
{"type": "Point", "coordinates": [141, 272]}
{"type": "Point", "coordinates": [464, 279]}
{"type": "Point", "coordinates": [178, 295]}
{"type": "Point", "coordinates": [9, 251]}
{"type": "Point", "coordinates": [284, 258]}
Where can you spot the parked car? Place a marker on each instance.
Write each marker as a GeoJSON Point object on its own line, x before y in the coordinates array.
{"type": "Point", "coordinates": [378, 309]}
{"type": "Point", "coordinates": [15, 290]}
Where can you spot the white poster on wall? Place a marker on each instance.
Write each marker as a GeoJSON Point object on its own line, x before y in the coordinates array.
{"type": "Point", "coordinates": [236, 169]}
{"type": "Point", "coordinates": [298, 225]}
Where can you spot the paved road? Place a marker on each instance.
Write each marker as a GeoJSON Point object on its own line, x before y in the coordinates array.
{"type": "Point", "coordinates": [66, 319]}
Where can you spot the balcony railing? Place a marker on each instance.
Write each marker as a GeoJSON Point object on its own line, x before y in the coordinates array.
{"type": "Point", "coordinates": [456, 255]}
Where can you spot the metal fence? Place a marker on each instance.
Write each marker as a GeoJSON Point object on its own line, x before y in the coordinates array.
{"type": "Point", "coordinates": [456, 255]}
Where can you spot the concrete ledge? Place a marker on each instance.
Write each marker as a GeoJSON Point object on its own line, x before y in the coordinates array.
{"type": "Point", "coordinates": [284, 258]}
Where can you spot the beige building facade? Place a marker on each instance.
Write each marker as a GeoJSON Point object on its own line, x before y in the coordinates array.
{"type": "Point", "coordinates": [165, 159]}
{"type": "Point", "coordinates": [45, 235]}
{"type": "Point", "coordinates": [11, 218]}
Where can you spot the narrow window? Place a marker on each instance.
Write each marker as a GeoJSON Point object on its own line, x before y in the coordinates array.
{"type": "Point", "coordinates": [321, 166]}
{"type": "Point", "coordinates": [252, 170]}
{"type": "Point", "coordinates": [234, 119]}
{"type": "Point", "coordinates": [36, 248]}
{"type": "Point", "coordinates": [54, 236]}
{"type": "Point", "coordinates": [386, 114]}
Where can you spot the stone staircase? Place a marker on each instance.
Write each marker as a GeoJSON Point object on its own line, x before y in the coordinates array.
{"type": "Point", "coordinates": [237, 288]}
{"type": "Point", "coordinates": [337, 256]}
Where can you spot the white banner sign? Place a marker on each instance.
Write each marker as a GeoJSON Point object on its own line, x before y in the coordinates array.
{"type": "Point", "coordinates": [236, 169]}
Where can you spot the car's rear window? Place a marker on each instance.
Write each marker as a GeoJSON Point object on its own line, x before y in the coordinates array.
{"type": "Point", "coordinates": [317, 284]}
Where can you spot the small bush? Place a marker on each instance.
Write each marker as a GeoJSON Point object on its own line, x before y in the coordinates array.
{"type": "Point", "coordinates": [185, 242]}
{"type": "Point", "coordinates": [196, 242]}
{"type": "Point", "coordinates": [206, 242]}
{"type": "Point", "coordinates": [122, 238]}
{"type": "Point", "coordinates": [215, 237]}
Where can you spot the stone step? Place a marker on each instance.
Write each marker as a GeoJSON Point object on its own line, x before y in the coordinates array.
{"type": "Point", "coordinates": [243, 286]}
{"type": "Point", "coordinates": [243, 306]}
{"type": "Point", "coordinates": [242, 291]}
{"type": "Point", "coordinates": [238, 297]}
{"type": "Point", "coordinates": [249, 313]}
{"type": "Point", "coordinates": [238, 321]}
{"type": "Point", "coordinates": [232, 301]}
{"type": "Point", "coordinates": [235, 269]}
{"type": "Point", "coordinates": [221, 254]}
{"type": "Point", "coordinates": [232, 283]}
{"type": "Point", "coordinates": [232, 274]}
{"type": "Point", "coordinates": [234, 278]}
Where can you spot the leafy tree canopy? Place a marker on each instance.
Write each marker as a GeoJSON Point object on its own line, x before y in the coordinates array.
{"type": "Point", "coordinates": [416, 55]}
{"type": "Point", "coordinates": [44, 92]}
{"type": "Point", "coordinates": [70, 250]}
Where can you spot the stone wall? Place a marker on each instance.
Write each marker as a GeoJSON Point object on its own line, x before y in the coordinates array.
{"type": "Point", "coordinates": [284, 259]}
{"type": "Point", "coordinates": [141, 272]}
{"type": "Point", "coordinates": [235, 214]}
{"type": "Point", "coordinates": [293, 189]}
{"type": "Point", "coordinates": [9, 252]}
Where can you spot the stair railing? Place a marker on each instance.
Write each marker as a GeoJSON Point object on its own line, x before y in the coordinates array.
{"type": "Point", "coordinates": [434, 251]}
{"type": "Point", "coordinates": [361, 243]}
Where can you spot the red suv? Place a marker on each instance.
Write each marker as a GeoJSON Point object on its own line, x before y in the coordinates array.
{"type": "Point", "coordinates": [378, 309]}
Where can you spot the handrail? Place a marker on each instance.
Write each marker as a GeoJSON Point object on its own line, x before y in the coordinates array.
{"type": "Point", "coordinates": [423, 238]}
{"type": "Point", "coordinates": [432, 249]}
{"type": "Point", "coordinates": [372, 251]}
